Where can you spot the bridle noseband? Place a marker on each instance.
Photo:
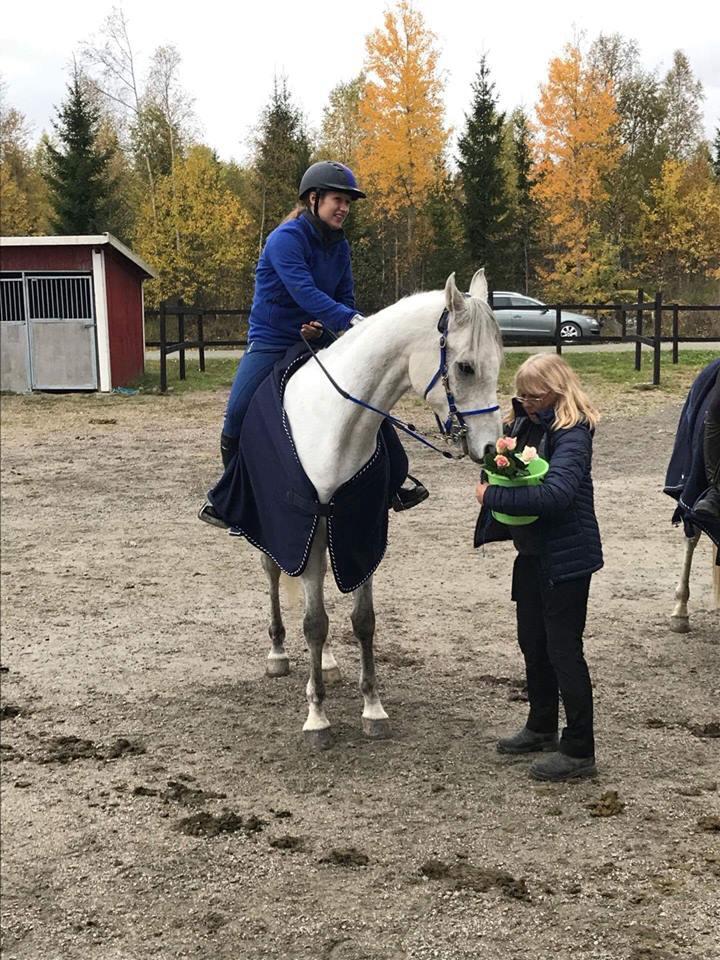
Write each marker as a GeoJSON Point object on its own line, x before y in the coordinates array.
{"type": "Point", "coordinates": [454, 430]}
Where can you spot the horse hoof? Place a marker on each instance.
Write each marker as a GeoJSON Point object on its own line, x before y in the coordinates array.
{"type": "Point", "coordinates": [318, 739]}
{"type": "Point", "coordinates": [680, 624]}
{"type": "Point", "coordinates": [376, 729]}
{"type": "Point", "coordinates": [277, 667]}
{"type": "Point", "coordinates": [331, 676]}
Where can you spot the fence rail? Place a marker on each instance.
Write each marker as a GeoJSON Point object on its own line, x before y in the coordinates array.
{"type": "Point", "coordinates": [622, 310]}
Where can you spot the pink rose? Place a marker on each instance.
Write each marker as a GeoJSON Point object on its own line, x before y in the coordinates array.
{"type": "Point", "coordinates": [527, 454]}
{"type": "Point", "coordinates": [501, 461]}
{"type": "Point", "coordinates": [506, 443]}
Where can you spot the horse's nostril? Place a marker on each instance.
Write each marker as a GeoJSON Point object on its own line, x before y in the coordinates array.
{"type": "Point", "coordinates": [488, 448]}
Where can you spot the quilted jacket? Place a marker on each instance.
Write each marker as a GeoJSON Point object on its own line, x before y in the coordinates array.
{"type": "Point", "coordinates": [567, 528]}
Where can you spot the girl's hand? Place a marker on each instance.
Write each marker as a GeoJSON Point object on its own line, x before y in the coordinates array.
{"type": "Point", "coordinates": [312, 330]}
{"type": "Point", "coordinates": [480, 490]}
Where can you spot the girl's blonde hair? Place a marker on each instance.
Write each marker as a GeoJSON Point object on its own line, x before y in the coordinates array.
{"type": "Point", "coordinates": [544, 372]}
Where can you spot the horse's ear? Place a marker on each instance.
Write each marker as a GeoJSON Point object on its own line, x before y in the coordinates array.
{"type": "Point", "coordinates": [454, 300]}
{"type": "Point", "coordinates": [478, 286]}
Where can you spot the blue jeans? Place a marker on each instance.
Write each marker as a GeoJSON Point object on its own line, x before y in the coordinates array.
{"type": "Point", "coordinates": [255, 365]}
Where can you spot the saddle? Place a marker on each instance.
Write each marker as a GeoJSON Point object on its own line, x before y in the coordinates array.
{"type": "Point", "coordinates": [265, 492]}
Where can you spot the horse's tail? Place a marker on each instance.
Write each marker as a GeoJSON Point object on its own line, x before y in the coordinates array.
{"type": "Point", "coordinates": [716, 576]}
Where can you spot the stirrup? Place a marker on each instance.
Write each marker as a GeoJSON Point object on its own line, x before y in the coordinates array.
{"type": "Point", "coordinates": [406, 499]}
{"type": "Point", "coordinates": [208, 514]}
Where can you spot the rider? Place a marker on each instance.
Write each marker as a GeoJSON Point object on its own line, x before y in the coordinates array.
{"type": "Point", "coordinates": [303, 285]}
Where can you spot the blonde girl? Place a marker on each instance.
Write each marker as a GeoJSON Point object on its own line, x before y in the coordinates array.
{"type": "Point", "coordinates": [556, 558]}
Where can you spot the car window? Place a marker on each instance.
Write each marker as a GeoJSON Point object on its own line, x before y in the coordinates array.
{"type": "Point", "coordinates": [523, 302]}
{"type": "Point", "coordinates": [501, 303]}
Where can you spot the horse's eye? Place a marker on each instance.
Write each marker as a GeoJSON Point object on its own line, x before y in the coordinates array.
{"type": "Point", "coordinates": [466, 368]}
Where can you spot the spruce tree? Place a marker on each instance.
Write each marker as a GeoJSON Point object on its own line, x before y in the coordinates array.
{"type": "Point", "coordinates": [282, 154]}
{"type": "Point", "coordinates": [483, 177]}
{"type": "Point", "coordinates": [715, 154]}
{"type": "Point", "coordinates": [77, 172]}
{"type": "Point", "coordinates": [523, 231]}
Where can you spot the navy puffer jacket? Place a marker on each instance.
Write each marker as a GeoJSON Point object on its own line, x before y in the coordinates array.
{"type": "Point", "coordinates": [567, 528]}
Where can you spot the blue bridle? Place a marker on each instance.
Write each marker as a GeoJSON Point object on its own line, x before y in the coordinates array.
{"type": "Point", "coordinates": [454, 429]}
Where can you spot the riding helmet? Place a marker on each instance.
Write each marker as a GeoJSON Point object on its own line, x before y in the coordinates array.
{"type": "Point", "coordinates": [330, 175]}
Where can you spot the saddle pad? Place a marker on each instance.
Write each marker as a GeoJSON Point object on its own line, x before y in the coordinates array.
{"type": "Point", "coordinates": [267, 494]}
{"type": "Point", "coordinates": [686, 480]}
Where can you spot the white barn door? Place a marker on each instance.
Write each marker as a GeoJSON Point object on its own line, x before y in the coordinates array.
{"type": "Point", "coordinates": [61, 332]}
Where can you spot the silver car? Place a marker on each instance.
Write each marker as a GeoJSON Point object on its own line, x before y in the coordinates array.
{"type": "Point", "coordinates": [516, 320]}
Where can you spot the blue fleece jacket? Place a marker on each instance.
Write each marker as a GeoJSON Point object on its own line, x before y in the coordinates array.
{"type": "Point", "coordinates": [567, 531]}
{"type": "Point", "coordinates": [303, 274]}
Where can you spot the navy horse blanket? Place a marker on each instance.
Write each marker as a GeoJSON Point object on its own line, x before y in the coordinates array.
{"type": "Point", "coordinates": [686, 480]}
{"type": "Point", "coordinates": [267, 494]}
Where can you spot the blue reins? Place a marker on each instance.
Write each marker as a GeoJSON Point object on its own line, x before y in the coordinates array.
{"type": "Point", "coordinates": [449, 430]}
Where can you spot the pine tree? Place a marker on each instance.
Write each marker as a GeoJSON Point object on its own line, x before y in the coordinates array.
{"type": "Point", "coordinates": [683, 95]}
{"type": "Point", "coordinates": [715, 156]}
{"type": "Point", "coordinates": [282, 154]}
{"type": "Point", "coordinates": [78, 171]}
{"type": "Point", "coordinates": [480, 163]}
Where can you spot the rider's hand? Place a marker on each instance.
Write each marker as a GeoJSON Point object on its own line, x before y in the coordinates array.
{"type": "Point", "coordinates": [312, 330]}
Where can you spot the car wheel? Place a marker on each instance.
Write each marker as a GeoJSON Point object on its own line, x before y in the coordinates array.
{"type": "Point", "coordinates": [570, 331]}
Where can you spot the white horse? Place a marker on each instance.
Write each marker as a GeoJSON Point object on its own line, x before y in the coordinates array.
{"type": "Point", "coordinates": [377, 361]}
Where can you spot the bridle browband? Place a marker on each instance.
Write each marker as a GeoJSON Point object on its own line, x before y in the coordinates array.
{"type": "Point", "coordinates": [454, 430]}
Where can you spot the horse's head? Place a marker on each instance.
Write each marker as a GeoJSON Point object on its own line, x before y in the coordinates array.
{"type": "Point", "coordinates": [458, 374]}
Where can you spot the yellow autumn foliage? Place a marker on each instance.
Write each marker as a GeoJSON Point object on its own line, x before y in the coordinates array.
{"type": "Point", "coordinates": [577, 147]}
{"type": "Point", "coordinates": [199, 236]}
{"type": "Point", "coordinates": [401, 112]}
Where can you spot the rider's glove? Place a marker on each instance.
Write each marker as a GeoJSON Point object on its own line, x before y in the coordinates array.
{"type": "Point", "coordinates": [356, 319]}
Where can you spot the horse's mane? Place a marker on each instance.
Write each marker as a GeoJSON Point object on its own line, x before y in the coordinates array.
{"type": "Point", "coordinates": [485, 332]}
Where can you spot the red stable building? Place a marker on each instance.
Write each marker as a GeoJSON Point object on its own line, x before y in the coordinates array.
{"type": "Point", "coordinates": [71, 312]}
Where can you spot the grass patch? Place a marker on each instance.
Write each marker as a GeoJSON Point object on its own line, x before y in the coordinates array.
{"type": "Point", "coordinates": [601, 373]}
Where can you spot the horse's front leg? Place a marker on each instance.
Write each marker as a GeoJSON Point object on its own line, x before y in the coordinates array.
{"type": "Point", "coordinates": [679, 621]}
{"type": "Point", "coordinates": [278, 662]}
{"type": "Point", "coordinates": [375, 721]}
{"type": "Point", "coordinates": [315, 627]}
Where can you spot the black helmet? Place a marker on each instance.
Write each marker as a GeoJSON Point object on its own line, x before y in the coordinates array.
{"type": "Point", "coordinates": [330, 175]}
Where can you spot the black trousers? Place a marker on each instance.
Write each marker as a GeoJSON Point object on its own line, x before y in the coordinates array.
{"type": "Point", "coordinates": [550, 623]}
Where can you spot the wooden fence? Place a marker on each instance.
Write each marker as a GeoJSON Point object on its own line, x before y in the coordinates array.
{"type": "Point", "coordinates": [650, 336]}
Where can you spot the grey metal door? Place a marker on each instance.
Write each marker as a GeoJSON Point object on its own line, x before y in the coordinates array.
{"type": "Point", "coordinates": [61, 332]}
{"type": "Point", "coordinates": [14, 351]}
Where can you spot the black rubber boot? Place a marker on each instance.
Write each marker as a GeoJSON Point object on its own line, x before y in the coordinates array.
{"type": "Point", "coordinates": [228, 448]}
{"type": "Point", "coordinates": [406, 498]}
{"type": "Point", "coordinates": [208, 514]}
{"type": "Point", "coordinates": [528, 741]}
{"type": "Point", "coordinates": [558, 766]}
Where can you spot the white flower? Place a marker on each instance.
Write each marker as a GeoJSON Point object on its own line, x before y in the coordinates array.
{"type": "Point", "coordinates": [527, 454]}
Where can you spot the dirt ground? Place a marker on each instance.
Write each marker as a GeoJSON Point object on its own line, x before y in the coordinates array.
{"type": "Point", "coordinates": [158, 800]}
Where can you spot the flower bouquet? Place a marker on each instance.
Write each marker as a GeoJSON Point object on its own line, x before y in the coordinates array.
{"type": "Point", "coordinates": [508, 467]}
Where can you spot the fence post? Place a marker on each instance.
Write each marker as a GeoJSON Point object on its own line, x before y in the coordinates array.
{"type": "Point", "coordinates": [558, 324]}
{"type": "Point", "coordinates": [163, 345]}
{"type": "Point", "coordinates": [201, 342]}
{"type": "Point", "coordinates": [675, 332]}
{"type": "Point", "coordinates": [639, 330]}
{"type": "Point", "coordinates": [657, 333]}
{"type": "Point", "coordinates": [181, 334]}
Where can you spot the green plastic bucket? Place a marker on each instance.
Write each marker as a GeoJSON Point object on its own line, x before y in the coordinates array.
{"type": "Point", "coordinates": [538, 468]}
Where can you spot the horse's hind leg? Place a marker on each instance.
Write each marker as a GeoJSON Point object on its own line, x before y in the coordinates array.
{"type": "Point", "coordinates": [315, 626]}
{"type": "Point", "coordinates": [374, 719]}
{"type": "Point", "coordinates": [679, 621]}
{"type": "Point", "coordinates": [278, 662]}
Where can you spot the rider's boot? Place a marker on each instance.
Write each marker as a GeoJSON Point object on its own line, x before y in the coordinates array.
{"type": "Point", "coordinates": [207, 512]}
{"type": "Point", "coordinates": [709, 503]}
{"type": "Point", "coordinates": [405, 498]}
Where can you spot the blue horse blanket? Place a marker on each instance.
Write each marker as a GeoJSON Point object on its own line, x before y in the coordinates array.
{"type": "Point", "coordinates": [686, 480]}
{"type": "Point", "coordinates": [267, 494]}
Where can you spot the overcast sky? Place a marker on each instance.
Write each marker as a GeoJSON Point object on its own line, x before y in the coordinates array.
{"type": "Point", "coordinates": [231, 51]}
